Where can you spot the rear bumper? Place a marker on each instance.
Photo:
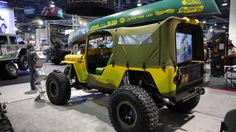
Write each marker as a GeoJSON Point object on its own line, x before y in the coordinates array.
{"type": "Point", "coordinates": [184, 96]}
{"type": "Point", "coordinates": [190, 90]}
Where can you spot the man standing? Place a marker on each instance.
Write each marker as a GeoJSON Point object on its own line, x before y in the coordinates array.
{"type": "Point", "coordinates": [32, 61]}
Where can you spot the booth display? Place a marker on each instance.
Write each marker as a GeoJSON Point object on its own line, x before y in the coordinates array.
{"type": "Point", "coordinates": [40, 75]}
{"type": "Point", "coordinates": [7, 23]}
{"type": "Point", "coordinates": [48, 12]}
{"type": "Point", "coordinates": [219, 49]}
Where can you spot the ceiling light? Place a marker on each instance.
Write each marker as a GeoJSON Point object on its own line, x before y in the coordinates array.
{"type": "Point", "coordinates": [215, 24]}
{"type": "Point", "coordinates": [15, 28]}
{"type": "Point", "coordinates": [3, 2]}
{"type": "Point", "coordinates": [204, 21]}
{"type": "Point", "coordinates": [224, 27]}
{"type": "Point", "coordinates": [52, 5]}
{"type": "Point", "coordinates": [40, 22]}
{"type": "Point", "coordinates": [85, 23]}
{"type": "Point", "coordinates": [139, 4]}
{"type": "Point", "coordinates": [224, 4]}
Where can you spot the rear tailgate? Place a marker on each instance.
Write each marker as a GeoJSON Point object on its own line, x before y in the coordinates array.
{"type": "Point", "coordinates": [190, 77]}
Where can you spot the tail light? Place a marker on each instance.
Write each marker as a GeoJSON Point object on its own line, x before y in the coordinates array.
{"type": "Point", "coordinates": [175, 80]}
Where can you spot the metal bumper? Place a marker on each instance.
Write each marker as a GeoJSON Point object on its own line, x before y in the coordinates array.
{"type": "Point", "coordinates": [189, 94]}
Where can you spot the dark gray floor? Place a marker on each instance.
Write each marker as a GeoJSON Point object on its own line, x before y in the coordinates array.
{"type": "Point", "coordinates": [88, 113]}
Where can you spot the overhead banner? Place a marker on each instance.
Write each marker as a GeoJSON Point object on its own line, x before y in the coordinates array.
{"type": "Point", "coordinates": [7, 23]}
{"type": "Point", "coordinates": [153, 12]}
{"type": "Point", "coordinates": [31, 9]}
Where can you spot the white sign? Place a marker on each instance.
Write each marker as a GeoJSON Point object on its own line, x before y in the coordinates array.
{"type": "Point", "coordinates": [7, 23]}
{"type": "Point", "coordinates": [232, 24]}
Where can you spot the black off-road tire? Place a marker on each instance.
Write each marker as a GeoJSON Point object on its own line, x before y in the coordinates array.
{"type": "Point", "coordinates": [142, 106]}
{"type": "Point", "coordinates": [5, 125]}
{"type": "Point", "coordinates": [9, 71]}
{"type": "Point", "coordinates": [22, 62]}
{"type": "Point", "coordinates": [58, 88]}
{"type": "Point", "coordinates": [186, 106]}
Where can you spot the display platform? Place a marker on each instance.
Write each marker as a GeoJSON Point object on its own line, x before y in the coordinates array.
{"type": "Point", "coordinates": [89, 113]}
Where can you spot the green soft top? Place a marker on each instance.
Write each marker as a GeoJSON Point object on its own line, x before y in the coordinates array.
{"type": "Point", "coordinates": [151, 45]}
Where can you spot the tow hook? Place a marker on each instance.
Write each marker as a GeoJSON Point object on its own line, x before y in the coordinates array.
{"type": "Point", "coordinates": [201, 90]}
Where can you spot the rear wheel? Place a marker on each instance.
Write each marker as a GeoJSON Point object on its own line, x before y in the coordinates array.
{"type": "Point", "coordinates": [185, 106]}
{"type": "Point", "coordinates": [23, 62]}
{"type": "Point", "coordinates": [58, 88]}
{"type": "Point", "coordinates": [131, 109]}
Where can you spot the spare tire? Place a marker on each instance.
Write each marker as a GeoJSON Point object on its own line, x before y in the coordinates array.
{"type": "Point", "coordinates": [22, 62]}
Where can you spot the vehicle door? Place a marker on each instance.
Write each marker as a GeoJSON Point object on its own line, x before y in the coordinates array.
{"type": "Point", "coordinates": [99, 52]}
{"type": "Point", "coordinates": [13, 47]}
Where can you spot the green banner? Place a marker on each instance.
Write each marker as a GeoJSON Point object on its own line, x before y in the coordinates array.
{"type": "Point", "coordinates": [153, 12]}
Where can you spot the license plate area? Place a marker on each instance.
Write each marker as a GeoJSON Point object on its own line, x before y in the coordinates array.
{"type": "Point", "coordinates": [190, 73]}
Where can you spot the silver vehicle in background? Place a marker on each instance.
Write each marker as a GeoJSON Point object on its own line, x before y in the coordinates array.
{"type": "Point", "coordinates": [12, 53]}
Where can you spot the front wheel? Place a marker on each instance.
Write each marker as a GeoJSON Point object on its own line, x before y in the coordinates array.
{"type": "Point", "coordinates": [10, 71]}
{"type": "Point", "coordinates": [58, 88]}
{"type": "Point", "coordinates": [185, 107]}
{"type": "Point", "coordinates": [131, 109]}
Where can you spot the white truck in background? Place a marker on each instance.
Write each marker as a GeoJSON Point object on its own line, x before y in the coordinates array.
{"type": "Point", "coordinates": [10, 53]}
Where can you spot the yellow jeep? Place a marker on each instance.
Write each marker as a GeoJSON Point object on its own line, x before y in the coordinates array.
{"type": "Point", "coordinates": [143, 67]}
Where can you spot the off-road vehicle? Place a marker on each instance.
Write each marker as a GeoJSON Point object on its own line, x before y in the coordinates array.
{"type": "Point", "coordinates": [144, 66]}
{"type": "Point", "coordinates": [10, 53]}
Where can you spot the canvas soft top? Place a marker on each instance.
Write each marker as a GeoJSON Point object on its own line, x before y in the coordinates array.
{"type": "Point", "coordinates": [150, 45]}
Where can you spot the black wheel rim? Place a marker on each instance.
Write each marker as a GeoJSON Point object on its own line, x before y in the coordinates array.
{"type": "Point", "coordinates": [53, 89]}
{"type": "Point", "coordinates": [127, 114]}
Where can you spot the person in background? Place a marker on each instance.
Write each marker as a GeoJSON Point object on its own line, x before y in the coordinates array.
{"type": "Point", "coordinates": [206, 52]}
{"type": "Point", "coordinates": [31, 53]}
{"type": "Point", "coordinates": [232, 54]}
